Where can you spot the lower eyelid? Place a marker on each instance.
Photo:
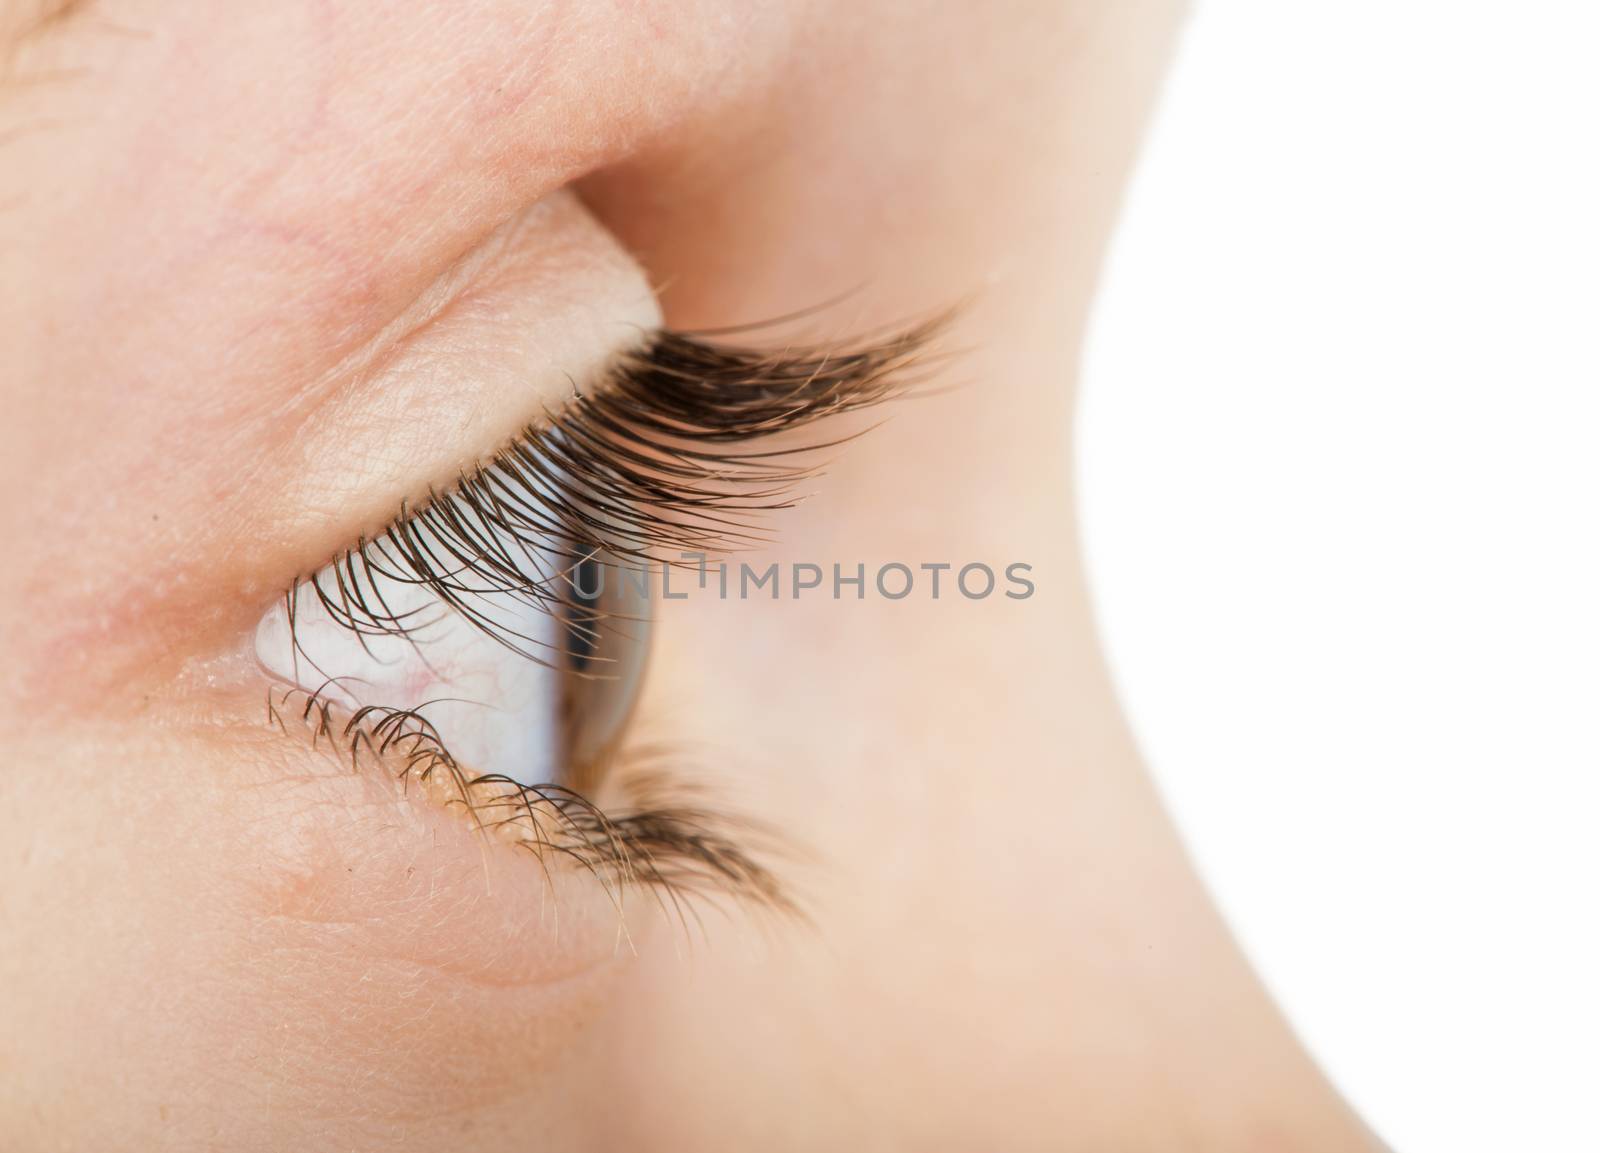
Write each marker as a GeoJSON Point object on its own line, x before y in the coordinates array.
{"type": "Point", "coordinates": [341, 918]}
{"type": "Point", "coordinates": [648, 840]}
{"type": "Point", "coordinates": [412, 883]}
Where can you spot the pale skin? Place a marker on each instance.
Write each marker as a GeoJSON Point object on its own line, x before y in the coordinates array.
{"type": "Point", "coordinates": [268, 270]}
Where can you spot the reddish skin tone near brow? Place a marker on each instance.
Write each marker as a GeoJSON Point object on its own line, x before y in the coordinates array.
{"type": "Point", "coordinates": [267, 270]}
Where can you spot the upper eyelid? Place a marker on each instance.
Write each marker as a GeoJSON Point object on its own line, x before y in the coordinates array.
{"type": "Point", "coordinates": [645, 466]}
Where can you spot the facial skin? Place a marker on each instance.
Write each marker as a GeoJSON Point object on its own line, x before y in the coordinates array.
{"type": "Point", "coordinates": [268, 270]}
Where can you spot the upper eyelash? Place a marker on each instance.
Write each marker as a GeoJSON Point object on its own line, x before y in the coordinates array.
{"type": "Point", "coordinates": [644, 466]}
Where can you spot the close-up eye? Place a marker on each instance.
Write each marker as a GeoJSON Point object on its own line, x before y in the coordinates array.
{"type": "Point", "coordinates": [697, 576]}
{"type": "Point", "coordinates": [492, 640]}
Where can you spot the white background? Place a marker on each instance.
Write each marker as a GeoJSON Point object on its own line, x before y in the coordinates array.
{"type": "Point", "coordinates": [1340, 468]}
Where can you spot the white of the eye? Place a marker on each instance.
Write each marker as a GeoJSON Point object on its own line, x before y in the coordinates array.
{"type": "Point", "coordinates": [496, 710]}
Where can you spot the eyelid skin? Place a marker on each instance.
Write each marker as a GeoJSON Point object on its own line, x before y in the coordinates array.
{"type": "Point", "coordinates": [536, 316]}
{"type": "Point", "coordinates": [539, 312]}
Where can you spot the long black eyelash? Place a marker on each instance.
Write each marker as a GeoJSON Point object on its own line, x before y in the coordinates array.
{"type": "Point", "coordinates": [651, 463]}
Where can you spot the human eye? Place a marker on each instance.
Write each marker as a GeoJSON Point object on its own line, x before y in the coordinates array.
{"type": "Point", "coordinates": [489, 645]}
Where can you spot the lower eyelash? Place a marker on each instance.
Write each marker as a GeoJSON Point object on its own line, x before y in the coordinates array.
{"type": "Point", "coordinates": [672, 849]}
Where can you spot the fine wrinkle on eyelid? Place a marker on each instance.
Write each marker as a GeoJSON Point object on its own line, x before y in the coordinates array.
{"type": "Point", "coordinates": [550, 306]}
{"type": "Point", "coordinates": [317, 846]}
{"type": "Point", "coordinates": [504, 337]}
{"type": "Point", "coordinates": [23, 20]}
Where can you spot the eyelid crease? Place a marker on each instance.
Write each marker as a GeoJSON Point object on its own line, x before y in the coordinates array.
{"type": "Point", "coordinates": [20, 22]}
